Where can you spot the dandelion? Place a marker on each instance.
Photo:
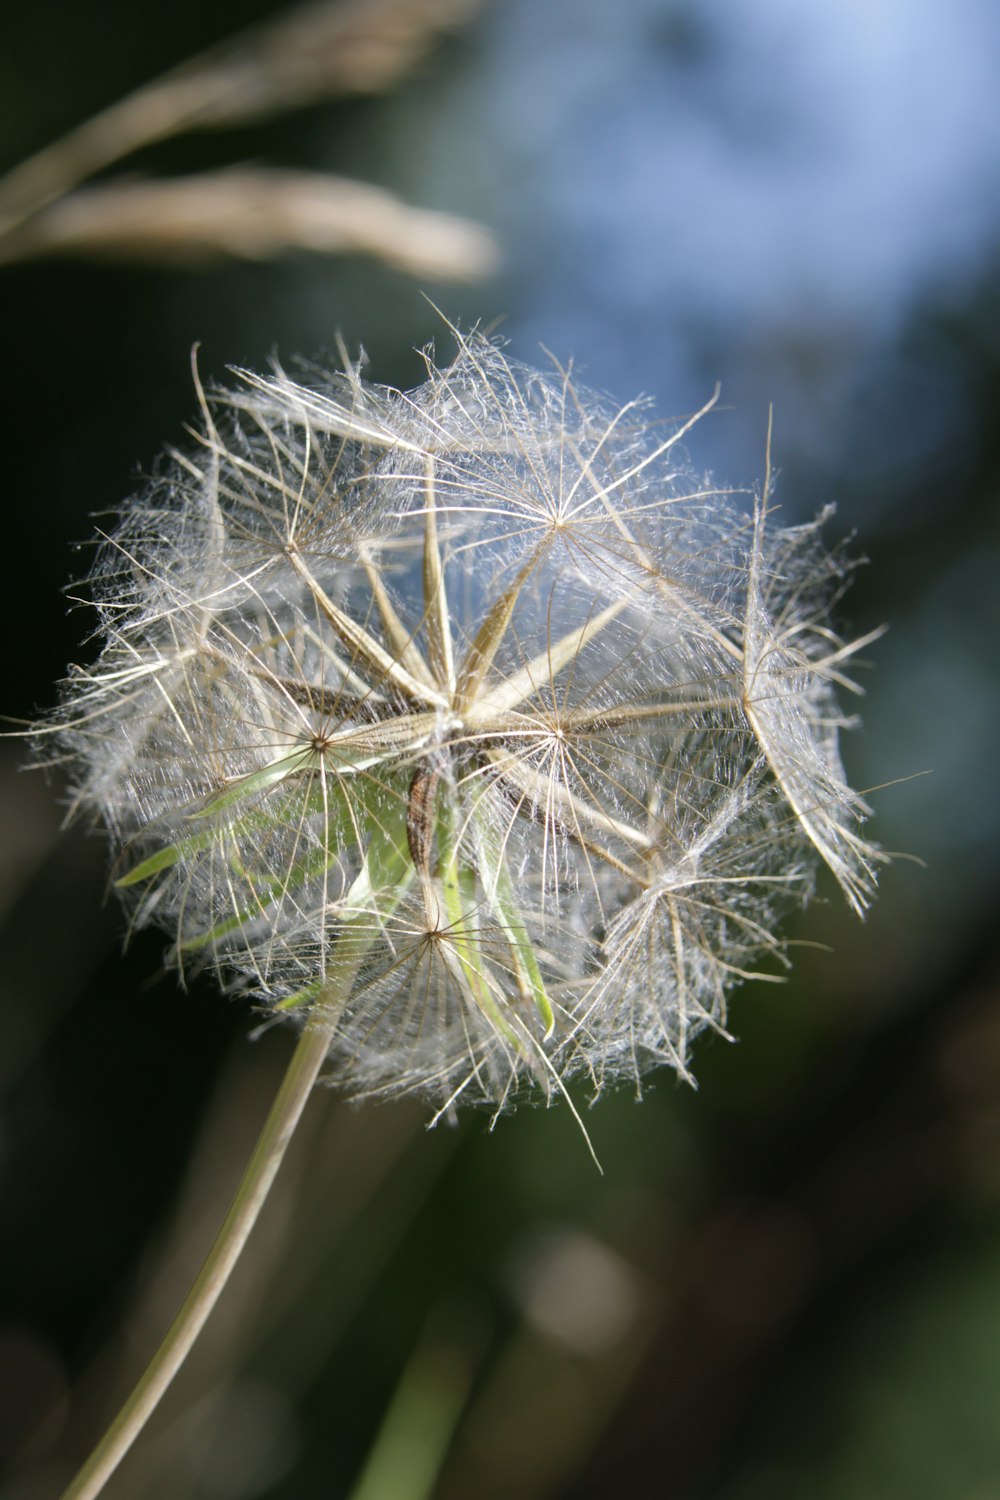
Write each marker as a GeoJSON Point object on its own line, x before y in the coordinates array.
{"type": "Point", "coordinates": [465, 728]}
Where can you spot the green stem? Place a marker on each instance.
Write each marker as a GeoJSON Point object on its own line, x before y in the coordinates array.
{"type": "Point", "coordinates": [225, 1252]}
{"type": "Point", "coordinates": [459, 905]}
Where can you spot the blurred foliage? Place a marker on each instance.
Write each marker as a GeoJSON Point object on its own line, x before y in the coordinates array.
{"type": "Point", "coordinates": [786, 1283]}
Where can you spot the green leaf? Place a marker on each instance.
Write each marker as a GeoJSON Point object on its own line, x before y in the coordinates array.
{"type": "Point", "coordinates": [163, 859]}
{"type": "Point", "coordinates": [458, 886]}
{"type": "Point", "coordinates": [245, 786]}
{"type": "Point", "coordinates": [371, 812]}
{"type": "Point", "coordinates": [500, 889]}
{"type": "Point", "coordinates": [305, 996]}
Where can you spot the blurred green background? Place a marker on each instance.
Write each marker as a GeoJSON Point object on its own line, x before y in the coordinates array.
{"type": "Point", "coordinates": [788, 1282]}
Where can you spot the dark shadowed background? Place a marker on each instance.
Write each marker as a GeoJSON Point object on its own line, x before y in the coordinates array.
{"type": "Point", "coordinates": [788, 1282]}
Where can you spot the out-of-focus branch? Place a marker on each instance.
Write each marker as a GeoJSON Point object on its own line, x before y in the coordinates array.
{"type": "Point", "coordinates": [252, 214]}
{"type": "Point", "coordinates": [316, 51]}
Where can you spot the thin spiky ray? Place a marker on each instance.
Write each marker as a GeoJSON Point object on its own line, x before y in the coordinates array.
{"type": "Point", "coordinates": [707, 916]}
{"type": "Point", "coordinates": [466, 718]}
{"type": "Point", "coordinates": [793, 662]}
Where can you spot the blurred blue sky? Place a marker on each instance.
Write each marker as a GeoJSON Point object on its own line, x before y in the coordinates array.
{"type": "Point", "coordinates": [760, 193]}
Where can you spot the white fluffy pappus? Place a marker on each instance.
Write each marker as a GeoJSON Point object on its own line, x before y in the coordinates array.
{"type": "Point", "coordinates": [468, 720]}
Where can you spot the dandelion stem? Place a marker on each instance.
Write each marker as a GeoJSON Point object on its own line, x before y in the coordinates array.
{"type": "Point", "coordinates": [250, 1196]}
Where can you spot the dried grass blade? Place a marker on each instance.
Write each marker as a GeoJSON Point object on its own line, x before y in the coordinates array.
{"type": "Point", "coordinates": [316, 51]}
{"type": "Point", "coordinates": [253, 214]}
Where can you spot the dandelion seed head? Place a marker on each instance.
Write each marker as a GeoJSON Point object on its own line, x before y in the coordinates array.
{"type": "Point", "coordinates": [468, 718]}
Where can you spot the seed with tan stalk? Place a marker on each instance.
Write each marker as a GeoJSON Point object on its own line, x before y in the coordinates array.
{"type": "Point", "coordinates": [466, 729]}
